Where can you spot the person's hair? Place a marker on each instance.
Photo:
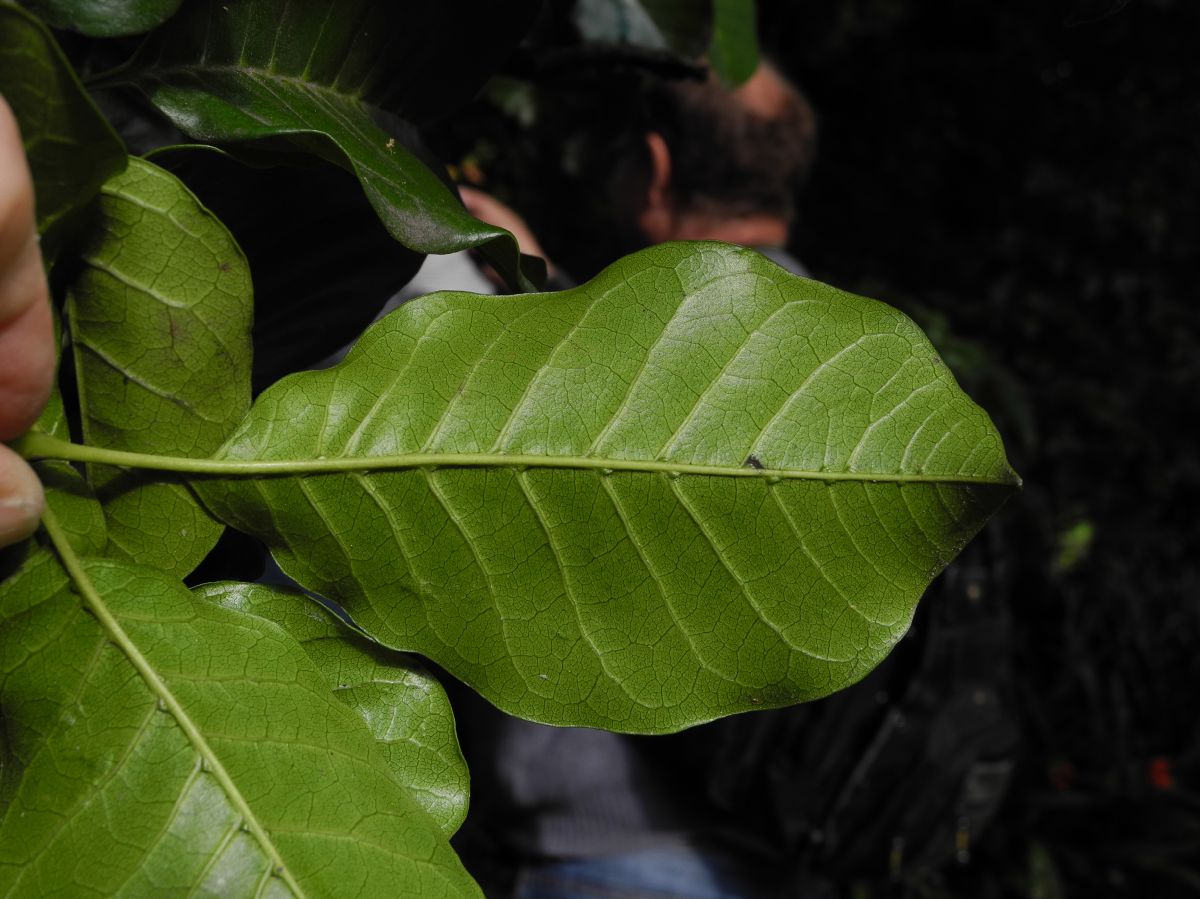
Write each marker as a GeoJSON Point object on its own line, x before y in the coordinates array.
{"type": "Point", "coordinates": [730, 156]}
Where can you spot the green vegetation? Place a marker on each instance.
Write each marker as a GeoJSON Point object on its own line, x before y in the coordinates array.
{"type": "Point", "coordinates": [693, 486]}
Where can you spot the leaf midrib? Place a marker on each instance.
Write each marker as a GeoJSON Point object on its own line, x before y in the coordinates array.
{"type": "Point", "coordinates": [163, 73]}
{"type": "Point", "coordinates": [42, 446]}
{"type": "Point", "coordinates": [212, 763]}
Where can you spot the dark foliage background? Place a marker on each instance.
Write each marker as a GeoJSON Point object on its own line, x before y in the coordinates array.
{"type": "Point", "coordinates": [1023, 178]}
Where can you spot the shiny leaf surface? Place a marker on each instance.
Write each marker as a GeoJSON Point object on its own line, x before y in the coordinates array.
{"type": "Point", "coordinates": [404, 706]}
{"type": "Point", "coordinates": [693, 486]}
{"type": "Point", "coordinates": [105, 18]}
{"type": "Point", "coordinates": [159, 317]}
{"type": "Point", "coordinates": [322, 76]}
{"type": "Point", "coordinates": [158, 744]}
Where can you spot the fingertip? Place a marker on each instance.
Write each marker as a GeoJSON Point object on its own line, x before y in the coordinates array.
{"type": "Point", "coordinates": [21, 498]}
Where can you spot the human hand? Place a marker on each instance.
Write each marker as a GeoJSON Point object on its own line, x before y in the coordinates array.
{"type": "Point", "coordinates": [26, 334]}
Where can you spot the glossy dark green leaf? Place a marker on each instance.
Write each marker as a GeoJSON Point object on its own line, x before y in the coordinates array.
{"type": "Point", "coordinates": [404, 706]}
{"type": "Point", "coordinates": [156, 744]}
{"type": "Point", "coordinates": [734, 50]}
{"type": "Point", "coordinates": [159, 317]}
{"type": "Point", "coordinates": [105, 18]}
{"type": "Point", "coordinates": [322, 75]}
{"type": "Point", "coordinates": [72, 150]}
{"type": "Point", "coordinates": [693, 486]}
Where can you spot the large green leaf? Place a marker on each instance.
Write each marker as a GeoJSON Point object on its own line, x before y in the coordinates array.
{"type": "Point", "coordinates": [156, 744]}
{"type": "Point", "coordinates": [159, 317]}
{"type": "Point", "coordinates": [105, 18]}
{"type": "Point", "coordinates": [693, 486]}
{"type": "Point", "coordinates": [321, 74]}
{"type": "Point", "coordinates": [403, 705]}
{"type": "Point", "coordinates": [71, 148]}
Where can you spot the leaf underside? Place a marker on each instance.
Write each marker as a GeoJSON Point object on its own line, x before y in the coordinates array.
{"type": "Point", "coordinates": [831, 468]}
{"type": "Point", "coordinates": [159, 316]}
{"type": "Point", "coordinates": [158, 744]}
{"type": "Point", "coordinates": [68, 494]}
{"type": "Point", "coordinates": [404, 706]}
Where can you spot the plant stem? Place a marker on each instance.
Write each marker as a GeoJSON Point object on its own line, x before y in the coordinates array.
{"type": "Point", "coordinates": [34, 446]}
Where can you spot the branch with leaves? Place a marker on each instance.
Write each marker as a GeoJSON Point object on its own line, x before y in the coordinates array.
{"type": "Point", "coordinates": [693, 486]}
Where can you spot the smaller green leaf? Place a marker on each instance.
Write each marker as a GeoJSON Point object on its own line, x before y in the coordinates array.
{"type": "Point", "coordinates": [71, 499]}
{"type": "Point", "coordinates": [159, 316]}
{"type": "Point", "coordinates": [155, 744]}
{"type": "Point", "coordinates": [105, 18]}
{"type": "Point", "coordinates": [323, 265]}
{"type": "Point", "coordinates": [404, 706]}
{"type": "Point", "coordinates": [734, 50]}
{"type": "Point", "coordinates": [72, 149]}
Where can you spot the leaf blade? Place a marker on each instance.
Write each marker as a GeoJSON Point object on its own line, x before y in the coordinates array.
{"type": "Point", "coordinates": [830, 467]}
{"type": "Point", "coordinates": [405, 708]}
{"type": "Point", "coordinates": [104, 18]}
{"type": "Point", "coordinates": [159, 316]}
{"type": "Point", "coordinates": [269, 69]}
{"type": "Point", "coordinates": [144, 728]}
{"type": "Point", "coordinates": [57, 117]}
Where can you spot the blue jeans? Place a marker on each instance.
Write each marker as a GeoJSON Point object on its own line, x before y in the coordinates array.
{"type": "Point", "coordinates": [675, 872]}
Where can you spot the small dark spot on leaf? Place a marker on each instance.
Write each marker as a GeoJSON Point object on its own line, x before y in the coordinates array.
{"type": "Point", "coordinates": [224, 266]}
{"type": "Point", "coordinates": [752, 461]}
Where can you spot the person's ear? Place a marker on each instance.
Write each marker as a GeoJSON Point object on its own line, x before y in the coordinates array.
{"type": "Point", "coordinates": [658, 190]}
{"type": "Point", "coordinates": [656, 218]}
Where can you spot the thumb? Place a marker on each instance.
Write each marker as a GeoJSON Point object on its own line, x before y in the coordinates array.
{"type": "Point", "coordinates": [21, 498]}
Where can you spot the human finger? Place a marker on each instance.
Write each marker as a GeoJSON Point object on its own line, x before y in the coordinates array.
{"type": "Point", "coordinates": [26, 328]}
